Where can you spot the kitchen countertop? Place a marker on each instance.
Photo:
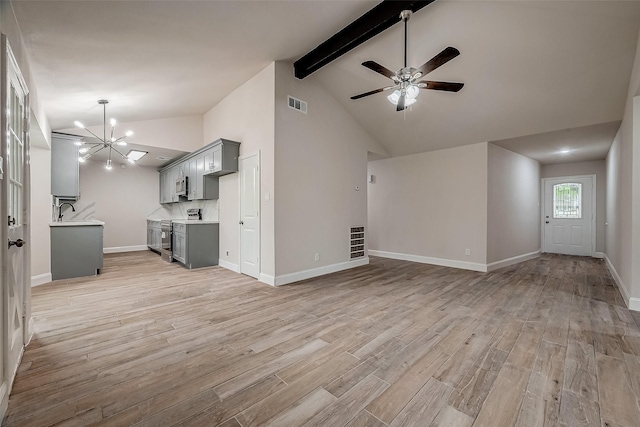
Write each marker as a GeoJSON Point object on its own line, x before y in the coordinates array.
{"type": "Point", "coordinates": [193, 221]}
{"type": "Point", "coordinates": [75, 223]}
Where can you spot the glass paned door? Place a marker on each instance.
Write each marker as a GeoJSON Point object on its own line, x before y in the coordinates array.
{"type": "Point", "coordinates": [14, 112]}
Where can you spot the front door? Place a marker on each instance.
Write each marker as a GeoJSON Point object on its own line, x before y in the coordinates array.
{"type": "Point", "coordinates": [568, 215]}
{"type": "Point", "coordinates": [15, 212]}
{"type": "Point", "coordinates": [249, 169]}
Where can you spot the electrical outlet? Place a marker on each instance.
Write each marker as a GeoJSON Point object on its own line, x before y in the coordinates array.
{"type": "Point", "coordinates": [467, 251]}
{"type": "Point", "coordinates": [317, 257]}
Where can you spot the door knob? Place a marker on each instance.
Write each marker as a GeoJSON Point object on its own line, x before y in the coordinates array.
{"type": "Point", "coordinates": [241, 223]}
{"type": "Point", "coordinates": [12, 221]}
{"type": "Point", "coordinates": [547, 222]}
{"type": "Point", "coordinates": [19, 243]}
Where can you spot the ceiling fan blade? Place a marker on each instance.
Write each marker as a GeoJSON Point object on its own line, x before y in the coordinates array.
{"type": "Point", "coordinates": [446, 86]}
{"type": "Point", "coordinates": [401, 105]}
{"type": "Point", "coordinates": [440, 59]}
{"type": "Point", "coordinates": [362, 95]}
{"type": "Point", "coordinates": [374, 66]}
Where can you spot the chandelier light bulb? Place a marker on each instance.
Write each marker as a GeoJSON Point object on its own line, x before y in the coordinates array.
{"type": "Point", "coordinates": [77, 143]}
{"type": "Point", "coordinates": [129, 133]}
{"type": "Point", "coordinates": [109, 165]}
{"type": "Point", "coordinates": [79, 124]}
{"type": "Point", "coordinates": [81, 159]}
{"type": "Point", "coordinates": [83, 150]}
{"type": "Point", "coordinates": [113, 122]}
{"type": "Point", "coordinates": [122, 143]}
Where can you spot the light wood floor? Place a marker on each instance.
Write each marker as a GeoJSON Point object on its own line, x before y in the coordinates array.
{"type": "Point", "coordinates": [546, 342]}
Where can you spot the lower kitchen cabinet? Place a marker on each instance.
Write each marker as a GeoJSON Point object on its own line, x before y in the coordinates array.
{"type": "Point", "coordinates": [154, 236]}
{"type": "Point", "coordinates": [76, 250]}
{"type": "Point", "coordinates": [195, 244]}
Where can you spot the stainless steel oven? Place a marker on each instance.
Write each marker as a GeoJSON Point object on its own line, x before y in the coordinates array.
{"type": "Point", "coordinates": [166, 251]}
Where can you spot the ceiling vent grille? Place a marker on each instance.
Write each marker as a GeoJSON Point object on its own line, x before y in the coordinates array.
{"type": "Point", "coordinates": [297, 104]}
{"type": "Point", "coordinates": [356, 242]}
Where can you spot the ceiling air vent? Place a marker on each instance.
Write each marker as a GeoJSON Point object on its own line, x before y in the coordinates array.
{"type": "Point", "coordinates": [297, 104]}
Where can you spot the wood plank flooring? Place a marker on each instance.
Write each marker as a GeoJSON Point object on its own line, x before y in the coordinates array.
{"type": "Point", "coordinates": [547, 342]}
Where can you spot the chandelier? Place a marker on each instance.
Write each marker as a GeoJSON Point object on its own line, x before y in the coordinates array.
{"type": "Point", "coordinates": [110, 143]}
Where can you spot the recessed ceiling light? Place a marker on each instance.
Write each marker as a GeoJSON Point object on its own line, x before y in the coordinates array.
{"type": "Point", "coordinates": [136, 155]}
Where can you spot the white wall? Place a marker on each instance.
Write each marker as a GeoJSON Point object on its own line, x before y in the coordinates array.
{"type": "Point", "coordinates": [623, 232]}
{"type": "Point", "coordinates": [40, 240]}
{"type": "Point", "coordinates": [320, 158]}
{"type": "Point", "coordinates": [513, 203]}
{"type": "Point", "coordinates": [122, 198]}
{"type": "Point", "coordinates": [431, 205]}
{"type": "Point", "coordinates": [246, 116]}
{"type": "Point", "coordinates": [597, 168]}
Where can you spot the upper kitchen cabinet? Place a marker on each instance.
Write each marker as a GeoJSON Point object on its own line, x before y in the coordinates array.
{"type": "Point", "coordinates": [195, 176]}
{"type": "Point", "coordinates": [222, 157]}
{"type": "Point", "coordinates": [65, 172]}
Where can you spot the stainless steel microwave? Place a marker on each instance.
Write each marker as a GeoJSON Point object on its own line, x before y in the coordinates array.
{"type": "Point", "coordinates": [182, 186]}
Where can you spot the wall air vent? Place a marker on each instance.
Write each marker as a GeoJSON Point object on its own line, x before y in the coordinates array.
{"type": "Point", "coordinates": [356, 242]}
{"type": "Point", "coordinates": [297, 104]}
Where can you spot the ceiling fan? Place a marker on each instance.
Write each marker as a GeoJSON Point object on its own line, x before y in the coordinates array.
{"type": "Point", "coordinates": [406, 84]}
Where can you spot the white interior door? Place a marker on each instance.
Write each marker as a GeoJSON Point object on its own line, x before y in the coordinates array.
{"type": "Point", "coordinates": [568, 215]}
{"type": "Point", "coordinates": [249, 169]}
{"type": "Point", "coordinates": [15, 213]}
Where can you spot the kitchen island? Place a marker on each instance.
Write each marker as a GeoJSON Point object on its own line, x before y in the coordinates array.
{"type": "Point", "coordinates": [76, 248]}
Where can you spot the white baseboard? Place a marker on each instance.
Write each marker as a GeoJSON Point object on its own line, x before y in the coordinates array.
{"type": "Point", "coordinates": [117, 249]}
{"type": "Point", "coordinates": [632, 302]}
{"type": "Point", "coordinates": [315, 272]}
{"type": "Point", "coordinates": [474, 266]}
{"type": "Point", "coordinates": [513, 260]}
{"type": "Point", "coordinates": [598, 255]}
{"type": "Point", "coordinates": [40, 279]}
{"type": "Point", "coordinates": [267, 278]}
{"type": "Point", "coordinates": [229, 265]}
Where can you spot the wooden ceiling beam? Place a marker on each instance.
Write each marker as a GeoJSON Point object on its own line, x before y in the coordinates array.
{"type": "Point", "coordinates": [372, 23]}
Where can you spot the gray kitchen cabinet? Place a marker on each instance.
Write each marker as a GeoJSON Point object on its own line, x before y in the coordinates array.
{"type": "Point", "coordinates": [192, 167]}
{"type": "Point", "coordinates": [77, 251]}
{"type": "Point", "coordinates": [154, 236]}
{"type": "Point", "coordinates": [162, 176]}
{"type": "Point", "coordinates": [207, 185]}
{"type": "Point", "coordinates": [202, 169]}
{"type": "Point", "coordinates": [222, 157]}
{"type": "Point", "coordinates": [65, 172]}
{"type": "Point", "coordinates": [196, 245]}
{"type": "Point", "coordinates": [167, 186]}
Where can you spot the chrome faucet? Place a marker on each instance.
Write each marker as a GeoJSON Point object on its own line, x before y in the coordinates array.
{"type": "Point", "coordinates": [60, 209]}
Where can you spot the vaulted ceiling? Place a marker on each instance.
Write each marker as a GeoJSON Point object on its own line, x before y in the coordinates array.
{"type": "Point", "coordinates": [529, 67]}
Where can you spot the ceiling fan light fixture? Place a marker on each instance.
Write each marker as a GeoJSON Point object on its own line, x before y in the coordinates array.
{"type": "Point", "coordinates": [412, 92]}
